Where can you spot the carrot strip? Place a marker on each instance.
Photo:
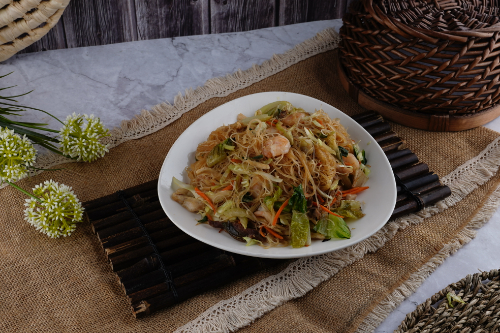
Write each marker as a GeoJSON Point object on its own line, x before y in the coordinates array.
{"type": "Point", "coordinates": [355, 190]}
{"type": "Point", "coordinates": [234, 160]}
{"type": "Point", "coordinates": [275, 220]}
{"type": "Point", "coordinates": [204, 196]}
{"type": "Point", "coordinates": [320, 199]}
{"type": "Point", "coordinates": [228, 188]}
{"type": "Point", "coordinates": [333, 201]}
{"type": "Point", "coordinates": [261, 233]}
{"type": "Point", "coordinates": [329, 211]}
{"type": "Point", "coordinates": [272, 232]}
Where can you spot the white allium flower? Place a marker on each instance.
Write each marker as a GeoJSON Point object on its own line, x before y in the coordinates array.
{"type": "Point", "coordinates": [16, 154]}
{"type": "Point", "coordinates": [57, 213]}
{"type": "Point", "coordinates": [82, 139]}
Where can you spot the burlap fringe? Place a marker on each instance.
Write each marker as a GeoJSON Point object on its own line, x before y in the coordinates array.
{"type": "Point", "coordinates": [373, 320]}
{"type": "Point", "coordinates": [161, 115]}
{"type": "Point", "coordinates": [304, 274]}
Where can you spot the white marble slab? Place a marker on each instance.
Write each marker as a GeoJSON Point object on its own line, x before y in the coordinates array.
{"type": "Point", "coordinates": [116, 81]}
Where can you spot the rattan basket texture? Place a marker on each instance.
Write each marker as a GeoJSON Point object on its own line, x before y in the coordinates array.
{"type": "Point", "coordinates": [479, 313]}
{"type": "Point", "coordinates": [434, 57]}
{"type": "Point", "coordinates": [23, 22]}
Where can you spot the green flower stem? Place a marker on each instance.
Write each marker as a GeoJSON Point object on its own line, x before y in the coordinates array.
{"type": "Point", "coordinates": [25, 192]}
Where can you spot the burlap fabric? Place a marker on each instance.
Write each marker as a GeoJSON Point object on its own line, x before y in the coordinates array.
{"type": "Point", "coordinates": [66, 285]}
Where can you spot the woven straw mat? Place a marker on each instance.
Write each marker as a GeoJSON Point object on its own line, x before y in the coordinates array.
{"type": "Point", "coordinates": [66, 285]}
{"type": "Point", "coordinates": [479, 313]}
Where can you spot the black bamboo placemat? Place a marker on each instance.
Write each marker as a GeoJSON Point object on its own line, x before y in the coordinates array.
{"type": "Point", "coordinates": [157, 265]}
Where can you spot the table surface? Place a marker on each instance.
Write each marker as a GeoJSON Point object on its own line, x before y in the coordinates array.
{"type": "Point", "coordinates": [116, 81]}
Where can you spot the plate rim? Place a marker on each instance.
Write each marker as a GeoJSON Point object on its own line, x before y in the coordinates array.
{"type": "Point", "coordinates": [269, 254]}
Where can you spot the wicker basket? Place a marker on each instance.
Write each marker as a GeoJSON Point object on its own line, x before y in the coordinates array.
{"type": "Point", "coordinates": [24, 22]}
{"type": "Point", "coordinates": [436, 62]}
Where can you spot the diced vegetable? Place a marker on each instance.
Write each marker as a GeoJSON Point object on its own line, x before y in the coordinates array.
{"type": "Point", "coordinates": [350, 208]}
{"type": "Point", "coordinates": [300, 230]}
{"type": "Point", "coordinates": [252, 241]}
{"type": "Point", "coordinates": [287, 133]}
{"type": "Point", "coordinates": [270, 200]}
{"type": "Point", "coordinates": [218, 153]}
{"type": "Point", "coordinates": [261, 117]}
{"type": "Point", "coordinates": [177, 184]}
{"type": "Point", "coordinates": [333, 227]}
{"type": "Point", "coordinates": [452, 297]}
{"type": "Point", "coordinates": [239, 169]}
{"type": "Point", "coordinates": [274, 108]}
{"type": "Point", "coordinates": [244, 221]}
{"type": "Point", "coordinates": [225, 207]}
{"type": "Point", "coordinates": [268, 176]}
{"type": "Point", "coordinates": [235, 212]}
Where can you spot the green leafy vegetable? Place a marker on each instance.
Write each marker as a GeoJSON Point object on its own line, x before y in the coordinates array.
{"type": "Point", "coordinates": [203, 220]}
{"type": "Point", "coordinates": [360, 154]}
{"type": "Point", "coordinates": [247, 197]}
{"type": "Point", "coordinates": [300, 230]}
{"type": "Point", "coordinates": [278, 204]}
{"type": "Point", "coordinates": [258, 157]}
{"type": "Point", "coordinates": [333, 227]}
{"type": "Point", "coordinates": [298, 200]}
{"type": "Point", "coordinates": [350, 208]}
{"type": "Point", "coordinates": [451, 297]}
{"type": "Point", "coordinates": [343, 152]}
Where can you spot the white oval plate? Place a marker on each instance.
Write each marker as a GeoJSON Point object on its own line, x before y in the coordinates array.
{"type": "Point", "coordinates": [379, 200]}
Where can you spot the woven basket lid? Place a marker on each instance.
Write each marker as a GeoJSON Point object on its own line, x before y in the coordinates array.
{"type": "Point", "coordinates": [479, 313]}
{"type": "Point", "coordinates": [439, 19]}
{"type": "Point", "coordinates": [430, 64]}
{"type": "Point", "coordinates": [24, 22]}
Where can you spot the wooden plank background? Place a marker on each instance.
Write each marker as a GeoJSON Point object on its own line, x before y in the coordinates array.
{"type": "Point", "coordinates": [100, 22]}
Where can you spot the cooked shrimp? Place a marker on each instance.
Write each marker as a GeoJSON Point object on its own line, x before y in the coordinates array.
{"type": "Point", "coordinates": [256, 186]}
{"type": "Point", "coordinates": [292, 119]}
{"type": "Point", "coordinates": [276, 146]}
{"type": "Point", "coordinates": [263, 212]}
{"type": "Point", "coordinates": [352, 161]}
{"type": "Point", "coordinates": [271, 130]}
